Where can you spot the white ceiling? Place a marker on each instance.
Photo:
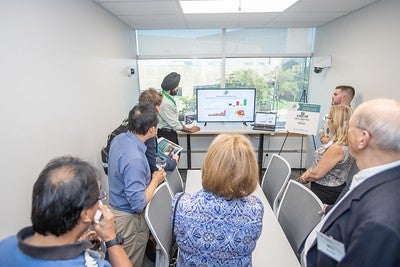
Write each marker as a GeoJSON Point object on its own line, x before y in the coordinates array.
{"type": "Point", "coordinates": [167, 14]}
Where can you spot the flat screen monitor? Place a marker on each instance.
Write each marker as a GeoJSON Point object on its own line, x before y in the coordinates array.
{"type": "Point", "coordinates": [225, 104]}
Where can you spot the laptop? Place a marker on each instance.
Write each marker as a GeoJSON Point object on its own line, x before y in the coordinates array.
{"type": "Point", "coordinates": [265, 121]}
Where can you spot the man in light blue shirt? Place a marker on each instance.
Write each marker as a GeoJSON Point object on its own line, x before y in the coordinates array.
{"type": "Point", "coordinates": [131, 184]}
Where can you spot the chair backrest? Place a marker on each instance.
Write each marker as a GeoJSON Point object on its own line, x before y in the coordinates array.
{"type": "Point", "coordinates": [174, 182]}
{"type": "Point", "coordinates": [275, 179]}
{"type": "Point", "coordinates": [157, 215]}
{"type": "Point", "coordinates": [298, 213]}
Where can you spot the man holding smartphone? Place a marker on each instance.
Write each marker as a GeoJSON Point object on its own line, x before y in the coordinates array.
{"type": "Point", "coordinates": [66, 196]}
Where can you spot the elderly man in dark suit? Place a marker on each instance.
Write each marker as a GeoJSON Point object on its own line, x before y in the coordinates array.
{"type": "Point", "coordinates": [363, 228]}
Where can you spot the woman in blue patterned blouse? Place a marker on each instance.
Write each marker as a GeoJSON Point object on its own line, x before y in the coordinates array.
{"type": "Point", "coordinates": [219, 225]}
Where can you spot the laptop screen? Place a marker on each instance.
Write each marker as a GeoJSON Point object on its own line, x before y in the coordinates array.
{"type": "Point", "coordinates": [265, 119]}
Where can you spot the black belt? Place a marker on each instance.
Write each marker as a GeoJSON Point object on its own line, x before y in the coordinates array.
{"type": "Point", "coordinates": [167, 130]}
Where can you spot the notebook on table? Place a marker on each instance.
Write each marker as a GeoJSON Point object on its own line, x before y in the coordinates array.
{"type": "Point", "coordinates": [265, 121]}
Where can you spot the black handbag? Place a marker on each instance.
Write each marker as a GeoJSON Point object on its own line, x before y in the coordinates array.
{"type": "Point", "coordinates": [173, 253]}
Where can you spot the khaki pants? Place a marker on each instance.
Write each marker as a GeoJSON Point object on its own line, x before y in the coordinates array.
{"type": "Point", "coordinates": [134, 229]}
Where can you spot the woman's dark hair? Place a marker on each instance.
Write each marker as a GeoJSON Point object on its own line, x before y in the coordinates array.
{"type": "Point", "coordinates": [65, 187]}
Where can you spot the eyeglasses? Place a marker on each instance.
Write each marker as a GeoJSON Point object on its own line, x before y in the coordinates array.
{"type": "Point", "coordinates": [102, 195]}
{"type": "Point", "coordinates": [326, 118]}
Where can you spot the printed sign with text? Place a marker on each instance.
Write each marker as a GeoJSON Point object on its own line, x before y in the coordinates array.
{"type": "Point", "coordinates": [302, 118]}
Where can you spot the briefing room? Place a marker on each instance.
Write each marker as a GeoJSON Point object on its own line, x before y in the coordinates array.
{"type": "Point", "coordinates": [200, 133]}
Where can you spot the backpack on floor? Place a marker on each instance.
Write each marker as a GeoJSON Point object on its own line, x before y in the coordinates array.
{"type": "Point", "coordinates": [123, 128]}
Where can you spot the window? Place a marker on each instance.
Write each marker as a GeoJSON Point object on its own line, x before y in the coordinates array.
{"type": "Point", "coordinates": [194, 73]}
{"type": "Point", "coordinates": [274, 61]}
{"type": "Point", "coordinates": [277, 80]}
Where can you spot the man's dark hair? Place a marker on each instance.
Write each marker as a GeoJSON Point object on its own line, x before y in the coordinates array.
{"type": "Point", "coordinates": [141, 118]}
{"type": "Point", "coordinates": [65, 187]}
{"type": "Point", "coordinates": [349, 90]}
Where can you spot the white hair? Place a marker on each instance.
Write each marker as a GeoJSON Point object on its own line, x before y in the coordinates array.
{"type": "Point", "coordinates": [381, 118]}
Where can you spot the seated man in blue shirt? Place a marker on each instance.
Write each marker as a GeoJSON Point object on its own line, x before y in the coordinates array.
{"type": "Point", "coordinates": [65, 200]}
{"type": "Point", "coordinates": [131, 183]}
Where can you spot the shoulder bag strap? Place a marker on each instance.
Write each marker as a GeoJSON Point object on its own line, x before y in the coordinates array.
{"type": "Point", "coordinates": [173, 217]}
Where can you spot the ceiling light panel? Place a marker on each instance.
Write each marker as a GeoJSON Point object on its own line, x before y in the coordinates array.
{"type": "Point", "coordinates": [235, 6]}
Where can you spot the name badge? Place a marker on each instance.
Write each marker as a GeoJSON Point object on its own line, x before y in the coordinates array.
{"type": "Point", "coordinates": [330, 246]}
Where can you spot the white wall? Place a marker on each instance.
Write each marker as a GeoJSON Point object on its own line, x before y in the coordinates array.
{"type": "Point", "coordinates": [364, 46]}
{"type": "Point", "coordinates": [63, 88]}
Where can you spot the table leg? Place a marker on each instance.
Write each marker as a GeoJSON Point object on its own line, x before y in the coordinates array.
{"type": "Point", "coordinates": [188, 152]}
{"type": "Point", "coordinates": [260, 153]}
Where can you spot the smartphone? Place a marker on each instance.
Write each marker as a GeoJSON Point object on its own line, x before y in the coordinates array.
{"type": "Point", "coordinates": [98, 215]}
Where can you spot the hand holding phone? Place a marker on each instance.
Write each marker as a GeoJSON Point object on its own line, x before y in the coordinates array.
{"type": "Point", "coordinates": [98, 216]}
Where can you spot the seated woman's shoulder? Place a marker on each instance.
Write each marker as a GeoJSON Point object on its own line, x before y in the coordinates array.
{"type": "Point", "coordinates": [336, 147]}
{"type": "Point", "coordinates": [255, 202]}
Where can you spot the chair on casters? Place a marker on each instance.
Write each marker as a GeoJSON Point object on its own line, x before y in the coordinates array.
{"type": "Point", "coordinates": [275, 179]}
{"type": "Point", "coordinates": [298, 213]}
{"type": "Point", "coordinates": [157, 215]}
{"type": "Point", "coordinates": [174, 182]}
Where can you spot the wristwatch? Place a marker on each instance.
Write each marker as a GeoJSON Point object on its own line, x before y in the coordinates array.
{"type": "Point", "coordinates": [117, 240]}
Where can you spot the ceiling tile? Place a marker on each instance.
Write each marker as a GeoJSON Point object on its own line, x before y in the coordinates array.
{"type": "Point", "coordinates": [309, 16]}
{"type": "Point", "coordinates": [140, 8]}
{"type": "Point", "coordinates": [163, 14]}
{"type": "Point", "coordinates": [328, 5]}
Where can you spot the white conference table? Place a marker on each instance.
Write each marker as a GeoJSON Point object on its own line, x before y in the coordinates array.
{"type": "Point", "coordinates": [215, 129]}
{"type": "Point", "coordinates": [273, 248]}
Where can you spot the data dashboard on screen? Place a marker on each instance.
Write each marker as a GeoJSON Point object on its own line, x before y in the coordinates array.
{"type": "Point", "coordinates": [225, 104]}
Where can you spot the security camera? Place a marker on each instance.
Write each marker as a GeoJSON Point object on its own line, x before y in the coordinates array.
{"type": "Point", "coordinates": [318, 70]}
{"type": "Point", "coordinates": [321, 63]}
{"type": "Point", "coordinates": [130, 71]}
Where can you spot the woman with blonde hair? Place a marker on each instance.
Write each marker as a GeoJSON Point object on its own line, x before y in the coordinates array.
{"type": "Point", "coordinates": [220, 224]}
{"type": "Point", "coordinates": [332, 161]}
